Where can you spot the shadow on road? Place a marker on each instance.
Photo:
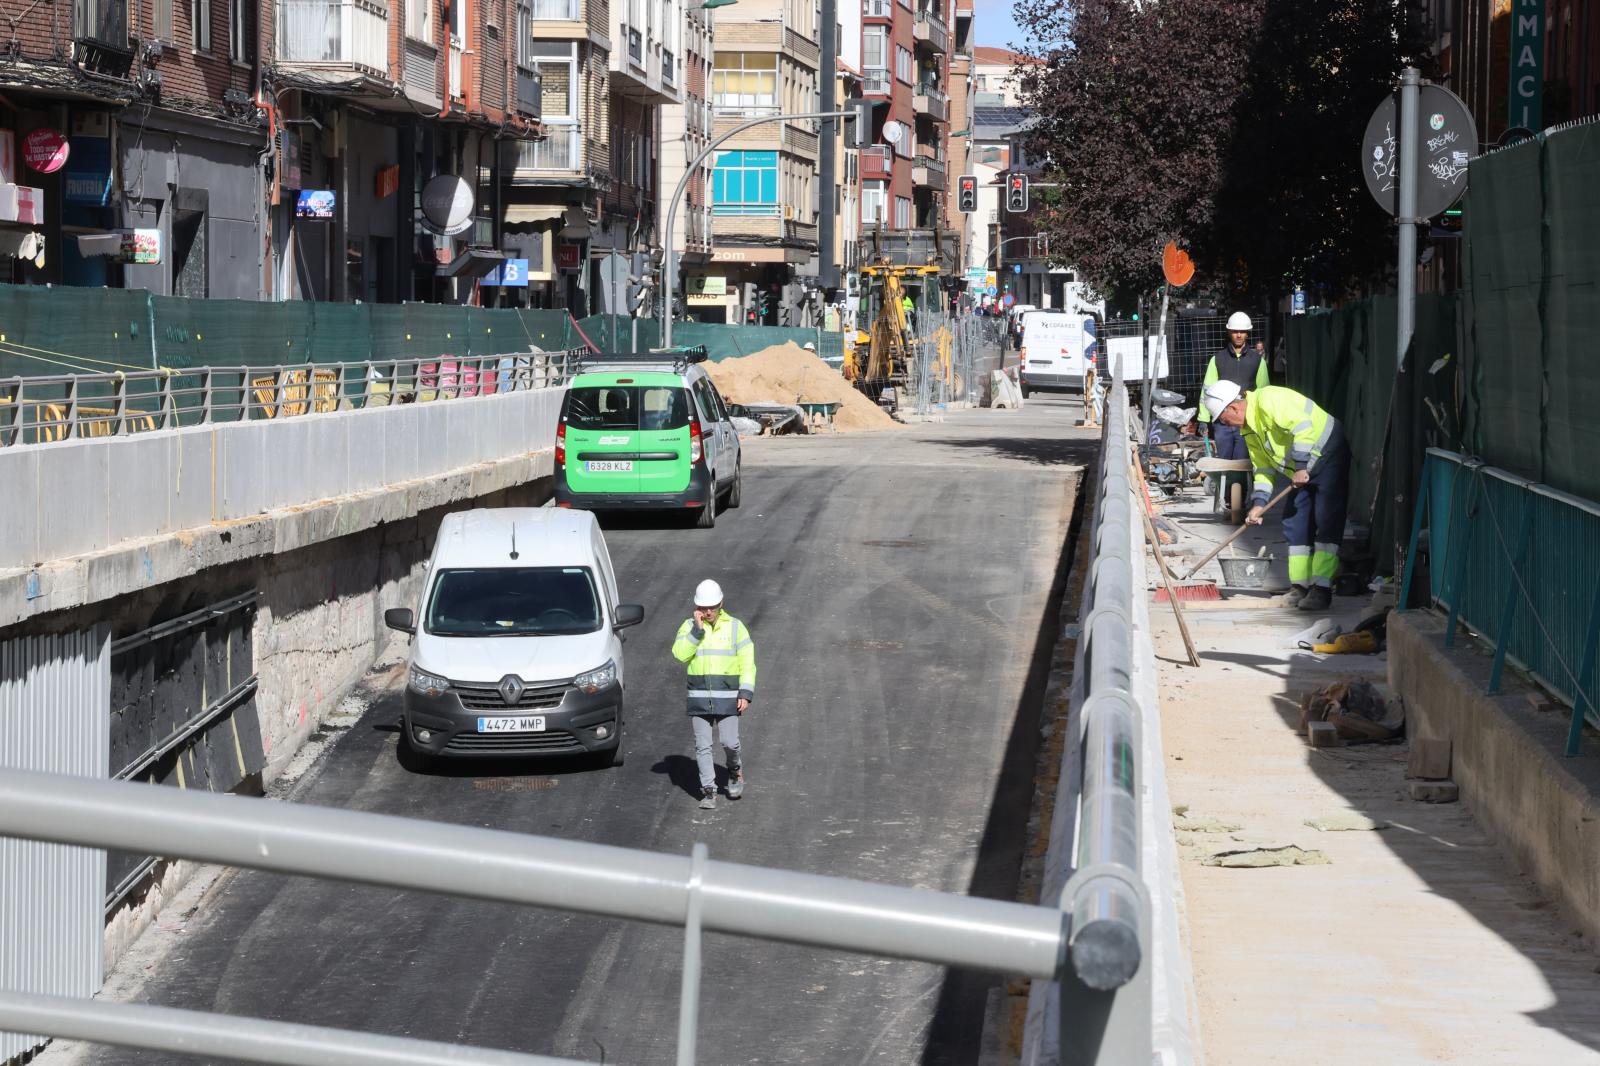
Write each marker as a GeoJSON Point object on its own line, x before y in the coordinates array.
{"type": "Point", "coordinates": [682, 771]}
{"type": "Point", "coordinates": [1034, 450]}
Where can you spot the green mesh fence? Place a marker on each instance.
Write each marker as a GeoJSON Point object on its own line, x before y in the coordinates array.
{"type": "Point", "coordinates": [73, 331]}
{"type": "Point", "coordinates": [614, 333]}
{"type": "Point", "coordinates": [1571, 310]}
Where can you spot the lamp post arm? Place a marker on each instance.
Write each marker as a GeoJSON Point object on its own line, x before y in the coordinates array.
{"type": "Point", "coordinates": [669, 260]}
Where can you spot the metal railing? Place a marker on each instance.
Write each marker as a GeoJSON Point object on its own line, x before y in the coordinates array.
{"type": "Point", "coordinates": [691, 891]}
{"type": "Point", "coordinates": [1520, 563]}
{"type": "Point", "coordinates": [875, 82]}
{"type": "Point", "coordinates": [46, 409]}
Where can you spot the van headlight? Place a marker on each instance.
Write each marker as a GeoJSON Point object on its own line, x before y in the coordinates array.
{"type": "Point", "coordinates": [595, 680]}
{"type": "Point", "coordinates": [426, 684]}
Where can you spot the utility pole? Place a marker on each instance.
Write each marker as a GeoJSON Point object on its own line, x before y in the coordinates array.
{"type": "Point", "coordinates": [1401, 429]}
{"type": "Point", "coordinates": [827, 154]}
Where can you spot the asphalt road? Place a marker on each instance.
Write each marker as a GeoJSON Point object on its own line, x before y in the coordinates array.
{"type": "Point", "coordinates": [896, 584]}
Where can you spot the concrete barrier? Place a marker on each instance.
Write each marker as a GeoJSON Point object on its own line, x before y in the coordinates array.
{"type": "Point", "coordinates": [1508, 760]}
{"type": "Point", "coordinates": [94, 519]}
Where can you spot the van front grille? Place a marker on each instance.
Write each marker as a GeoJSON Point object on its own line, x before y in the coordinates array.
{"type": "Point", "coordinates": [488, 698]}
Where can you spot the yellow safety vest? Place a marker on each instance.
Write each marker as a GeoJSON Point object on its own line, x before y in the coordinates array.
{"type": "Point", "coordinates": [722, 665]}
{"type": "Point", "coordinates": [1284, 432]}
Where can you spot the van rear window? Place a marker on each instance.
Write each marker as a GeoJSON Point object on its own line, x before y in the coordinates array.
{"type": "Point", "coordinates": [627, 407]}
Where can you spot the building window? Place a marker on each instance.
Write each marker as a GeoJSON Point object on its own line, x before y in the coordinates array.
{"type": "Point", "coordinates": [163, 20]}
{"type": "Point", "coordinates": [902, 63]}
{"type": "Point", "coordinates": [556, 63]}
{"type": "Point", "coordinates": [746, 83]}
{"type": "Point", "coordinates": [902, 212]}
{"type": "Point", "coordinates": [241, 30]}
{"type": "Point", "coordinates": [556, 10]}
{"type": "Point", "coordinates": [746, 183]}
{"type": "Point", "coordinates": [874, 48]}
{"type": "Point", "coordinates": [874, 201]}
{"type": "Point", "coordinates": [419, 19]}
{"type": "Point", "coordinates": [200, 24]}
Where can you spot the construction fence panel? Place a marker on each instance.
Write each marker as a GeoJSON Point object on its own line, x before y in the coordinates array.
{"type": "Point", "coordinates": [1571, 311]}
{"type": "Point", "coordinates": [65, 331]}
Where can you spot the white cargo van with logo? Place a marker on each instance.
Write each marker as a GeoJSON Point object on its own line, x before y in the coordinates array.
{"type": "Point", "coordinates": [516, 648]}
{"type": "Point", "coordinates": [1053, 357]}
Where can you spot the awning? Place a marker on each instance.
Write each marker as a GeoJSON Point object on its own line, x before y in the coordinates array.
{"type": "Point", "coordinates": [473, 263]}
{"type": "Point", "coordinates": [532, 214]}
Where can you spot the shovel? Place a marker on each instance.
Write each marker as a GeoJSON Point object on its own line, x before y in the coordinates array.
{"type": "Point", "coordinates": [1214, 552]}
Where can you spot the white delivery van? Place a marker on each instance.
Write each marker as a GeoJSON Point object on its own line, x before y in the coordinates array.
{"type": "Point", "coordinates": [1054, 352]}
{"type": "Point", "coordinates": [516, 647]}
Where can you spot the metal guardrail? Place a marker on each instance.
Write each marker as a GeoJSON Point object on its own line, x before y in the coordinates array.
{"type": "Point", "coordinates": [485, 864]}
{"type": "Point", "coordinates": [1520, 562]}
{"type": "Point", "coordinates": [57, 407]}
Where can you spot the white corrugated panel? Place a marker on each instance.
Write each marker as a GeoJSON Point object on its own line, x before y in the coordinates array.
{"type": "Point", "coordinates": [55, 698]}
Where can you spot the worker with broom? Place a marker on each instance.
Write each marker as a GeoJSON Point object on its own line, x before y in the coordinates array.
{"type": "Point", "coordinates": [1286, 434]}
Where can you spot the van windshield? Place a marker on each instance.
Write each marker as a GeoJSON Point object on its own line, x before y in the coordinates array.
{"type": "Point", "coordinates": [627, 407]}
{"type": "Point", "coordinates": [535, 601]}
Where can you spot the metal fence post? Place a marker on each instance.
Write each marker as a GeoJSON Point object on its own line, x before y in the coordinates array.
{"type": "Point", "coordinates": [689, 992]}
{"type": "Point", "coordinates": [1458, 560]}
{"type": "Point", "coordinates": [1508, 612]}
{"type": "Point", "coordinates": [1409, 569]}
{"type": "Point", "coordinates": [1585, 694]}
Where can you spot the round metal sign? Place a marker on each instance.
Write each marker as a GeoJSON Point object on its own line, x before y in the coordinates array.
{"type": "Point", "coordinates": [447, 203]}
{"type": "Point", "coordinates": [1446, 139]}
{"type": "Point", "coordinates": [45, 150]}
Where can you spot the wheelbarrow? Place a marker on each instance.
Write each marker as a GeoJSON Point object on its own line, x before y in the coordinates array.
{"type": "Point", "coordinates": [1228, 480]}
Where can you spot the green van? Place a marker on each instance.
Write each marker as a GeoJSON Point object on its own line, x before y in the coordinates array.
{"type": "Point", "coordinates": [646, 430]}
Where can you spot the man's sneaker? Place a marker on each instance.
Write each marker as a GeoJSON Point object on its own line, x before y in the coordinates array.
{"type": "Point", "coordinates": [708, 799]}
{"type": "Point", "coordinates": [1295, 595]}
{"type": "Point", "coordinates": [736, 785]}
{"type": "Point", "coordinates": [1317, 598]}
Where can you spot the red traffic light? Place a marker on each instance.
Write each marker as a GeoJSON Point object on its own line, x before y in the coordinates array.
{"type": "Point", "coordinates": [1016, 192]}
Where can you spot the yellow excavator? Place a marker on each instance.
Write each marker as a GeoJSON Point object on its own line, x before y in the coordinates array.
{"type": "Point", "coordinates": [884, 359]}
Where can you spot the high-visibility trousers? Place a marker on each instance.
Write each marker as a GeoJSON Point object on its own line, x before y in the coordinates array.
{"type": "Point", "coordinates": [1313, 521]}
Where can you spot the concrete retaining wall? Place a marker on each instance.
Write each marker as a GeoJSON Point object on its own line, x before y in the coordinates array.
{"type": "Point", "coordinates": [1508, 759]}
{"type": "Point", "coordinates": [85, 521]}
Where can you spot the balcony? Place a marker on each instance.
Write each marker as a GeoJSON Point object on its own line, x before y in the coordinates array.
{"type": "Point", "coordinates": [875, 82]}
{"type": "Point", "coordinates": [929, 29]}
{"type": "Point", "coordinates": [931, 102]}
{"type": "Point", "coordinates": [878, 9]}
{"type": "Point", "coordinates": [555, 10]}
{"type": "Point", "coordinates": [104, 22]}
{"type": "Point", "coordinates": [559, 152]}
{"type": "Point", "coordinates": [928, 170]}
{"type": "Point", "coordinates": [877, 164]}
{"type": "Point", "coordinates": [339, 34]}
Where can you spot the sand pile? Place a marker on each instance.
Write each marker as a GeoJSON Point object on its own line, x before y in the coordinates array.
{"type": "Point", "coordinates": [787, 373]}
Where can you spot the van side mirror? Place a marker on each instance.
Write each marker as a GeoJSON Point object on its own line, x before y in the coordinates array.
{"type": "Point", "coordinates": [628, 614]}
{"type": "Point", "coordinates": [400, 618]}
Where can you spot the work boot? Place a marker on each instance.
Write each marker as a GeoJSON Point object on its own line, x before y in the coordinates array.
{"type": "Point", "coordinates": [735, 784]}
{"type": "Point", "coordinates": [1317, 598]}
{"type": "Point", "coordinates": [708, 799]}
{"type": "Point", "coordinates": [1295, 595]}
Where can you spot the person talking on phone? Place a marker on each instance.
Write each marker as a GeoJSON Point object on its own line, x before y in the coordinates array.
{"type": "Point", "coordinates": [721, 657]}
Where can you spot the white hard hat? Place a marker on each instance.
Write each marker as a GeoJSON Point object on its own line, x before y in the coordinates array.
{"type": "Point", "coordinates": [708, 594]}
{"type": "Point", "coordinates": [1218, 395]}
{"type": "Point", "coordinates": [808, 346]}
{"type": "Point", "coordinates": [1239, 320]}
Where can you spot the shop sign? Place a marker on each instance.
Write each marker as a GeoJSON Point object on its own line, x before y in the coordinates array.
{"type": "Point", "coordinates": [315, 203]}
{"type": "Point", "coordinates": [88, 180]}
{"type": "Point", "coordinates": [289, 167]}
{"type": "Point", "coordinates": [714, 285]}
{"type": "Point", "coordinates": [569, 255]}
{"type": "Point", "coordinates": [512, 274]}
{"type": "Point", "coordinates": [141, 246]}
{"type": "Point", "coordinates": [447, 203]}
{"type": "Point", "coordinates": [45, 150]}
{"type": "Point", "coordinates": [387, 182]}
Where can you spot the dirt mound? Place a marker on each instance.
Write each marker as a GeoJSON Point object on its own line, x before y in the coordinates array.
{"type": "Point", "coordinates": [787, 373]}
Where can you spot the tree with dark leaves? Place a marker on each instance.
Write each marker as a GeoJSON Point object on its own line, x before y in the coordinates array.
{"type": "Point", "coordinates": [1231, 126]}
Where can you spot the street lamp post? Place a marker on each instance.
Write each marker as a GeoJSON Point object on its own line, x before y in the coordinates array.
{"type": "Point", "coordinates": [669, 261]}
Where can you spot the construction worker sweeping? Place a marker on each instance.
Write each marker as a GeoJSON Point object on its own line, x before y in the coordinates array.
{"type": "Point", "coordinates": [1241, 364]}
{"type": "Point", "coordinates": [1287, 434]}
{"type": "Point", "coordinates": [722, 681]}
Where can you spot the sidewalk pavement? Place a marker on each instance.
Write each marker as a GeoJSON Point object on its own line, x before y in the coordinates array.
{"type": "Point", "coordinates": [1414, 943]}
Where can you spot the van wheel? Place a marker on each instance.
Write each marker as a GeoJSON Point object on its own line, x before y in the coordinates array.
{"type": "Point", "coordinates": [1024, 391]}
{"type": "Point", "coordinates": [618, 757]}
{"type": "Point", "coordinates": [707, 518]}
{"type": "Point", "coordinates": [733, 493]}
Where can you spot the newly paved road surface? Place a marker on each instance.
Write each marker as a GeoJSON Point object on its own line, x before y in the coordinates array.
{"type": "Point", "coordinates": [895, 583]}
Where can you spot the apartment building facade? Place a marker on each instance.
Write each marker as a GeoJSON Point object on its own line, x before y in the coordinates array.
{"type": "Point", "coordinates": [686, 133]}
{"type": "Point", "coordinates": [261, 148]}
{"type": "Point", "coordinates": [962, 94]}
{"type": "Point", "coordinates": [764, 190]}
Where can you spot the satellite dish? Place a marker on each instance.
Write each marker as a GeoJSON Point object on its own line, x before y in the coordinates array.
{"type": "Point", "coordinates": [894, 132]}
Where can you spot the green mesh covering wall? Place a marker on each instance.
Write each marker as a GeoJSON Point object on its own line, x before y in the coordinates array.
{"type": "Point", "coordinates": [1571, 317]}
{"type": "Point", "coordinates": [73, 331]}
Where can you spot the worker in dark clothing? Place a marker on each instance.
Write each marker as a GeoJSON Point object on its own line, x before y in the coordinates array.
{"type": "Point", "coordinates": [1243, 365]}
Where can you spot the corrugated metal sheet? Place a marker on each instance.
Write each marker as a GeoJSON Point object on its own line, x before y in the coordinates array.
{"type": "Point", "coordinates": [54, 692]}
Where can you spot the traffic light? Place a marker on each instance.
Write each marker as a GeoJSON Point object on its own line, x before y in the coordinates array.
{"type": "Point", "coordinates": [1016, 192]}
{"type": "Point", "coordinates": [860, 125]}
{"type": "Point", "coordinates": [967, 194]}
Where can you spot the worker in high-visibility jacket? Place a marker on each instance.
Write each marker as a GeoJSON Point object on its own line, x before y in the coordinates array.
{"type": "Point", "coordinates": [721, 656]}
{"type": "Point", "coordinates": [1243, 365]}
{"type": "Point", "coordinates": [1288, 435]}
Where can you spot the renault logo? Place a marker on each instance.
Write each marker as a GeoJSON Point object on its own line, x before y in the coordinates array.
{"type": "Point", "coordinates": [511, 689]}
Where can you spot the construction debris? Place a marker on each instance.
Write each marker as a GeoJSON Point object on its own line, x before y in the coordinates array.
{"type": "Point", "coordinates": [1357, 711]}
{"type": "Point", "coordinates": [1253, 858]}
{"type": "Point", "coordinates": [1344, 822]}
{"type": "Point", "coordinates": [1435, 791]}
{"type": "Point", "coordinates": [788, 374]}
{"type": "Point", "coordinates": [1184, 824]}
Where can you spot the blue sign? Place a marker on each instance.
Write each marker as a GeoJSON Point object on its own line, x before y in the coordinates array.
{"type": "Point", "coordinates": [513, 273]}
{"type": "Point", "coordinates": [1016, 268]}
{"type": "Point", "coordinates": [1299, 300]}
{"type": "Point", "coordinates": [314, 203]}
{"type": "Point", "coordinates": [992, 291]}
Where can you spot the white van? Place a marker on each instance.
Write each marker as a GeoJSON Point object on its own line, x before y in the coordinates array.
{"type": "Point", "coordinates": [516, 648]}
{"type": "Point", "coordinates": [1054, 352]}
